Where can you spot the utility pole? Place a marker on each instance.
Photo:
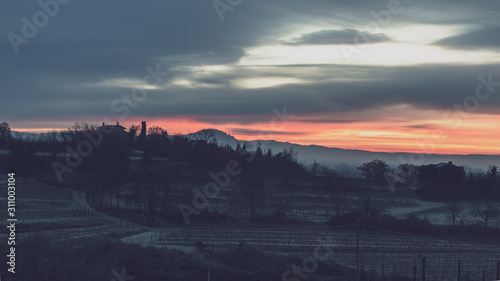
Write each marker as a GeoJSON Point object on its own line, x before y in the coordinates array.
{"type": "Point", "coordinates": [357, 249]}
{"type": "Point", "coordinates": [208, 268]}
{"type": "Point", "coordinates": [498, 270]}
{"type": "Point", "coordinates": [423, 269]}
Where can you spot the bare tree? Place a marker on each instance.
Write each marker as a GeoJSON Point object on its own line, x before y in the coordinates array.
{"type": "Point", "coordinates": [134, 129]}
{"type": "Point", "coordinates": [117, 194]}
{"type": "Point", "coordinates": [454, 211]}
{"type": "Point", "coordinates": [165, 199]}
{"type": "Point", "coordinates": [255, 192]}
{"type": "Point", "coordinates": [155, 130]}
{"type": "Point", "coordinates": [75, 131]}
{"type": "Point", "coordinates": [153, 191]}
{"type": "Point", "coordinates": [137, 194]}
{"type": "Point", "coordinates": [366, 209]}
{"type": "Point", "coordinates": [279, 206]}
{"type": "Point", "coordinates": [487, 212]}
{"type": "Point", "coordinates": [132, 133]}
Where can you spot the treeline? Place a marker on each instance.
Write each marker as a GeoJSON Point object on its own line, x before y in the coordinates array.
{"type": "Point", "coordinates": [136, 168]}
{"type": "Point", "coordinates": [440, 182]}
{"type": "Point", "coordinates": [200, 149]}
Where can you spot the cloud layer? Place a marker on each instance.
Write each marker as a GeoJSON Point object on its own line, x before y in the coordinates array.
{"type": "Point", "coordinates": [90, 55]}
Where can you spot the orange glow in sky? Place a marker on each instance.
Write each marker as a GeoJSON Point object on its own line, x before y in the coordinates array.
{"type": "Point", "coordinates": [476, 134]}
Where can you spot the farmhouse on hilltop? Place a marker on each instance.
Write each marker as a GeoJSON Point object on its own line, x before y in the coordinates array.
{"type": "Point", "coordinates": [112, 129]}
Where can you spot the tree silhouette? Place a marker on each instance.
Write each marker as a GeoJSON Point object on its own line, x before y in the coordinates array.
{"type": "Point", "coordinates": [157, 141]}
{"type": "Point", "coordinates": [408, 173]}
{"type": "Point", "coordinates": [254, 176]}
{"type": "Point", "coordinates": [374, 172]}
{"type": "Point", "coordinates": [442, 181]}
{"type": "Point", "coordinates": [489, 189]}
{"type": "Point", "coordinates": [454, 210]}
{"type": "Point", "coordinates": [132, 133]}
{"type": "Point", "coordinates": [487, 212]}
{"type": "Point", "coordinates": [288, 159]}
{"type": "Point", "coordinates": [5, 135]}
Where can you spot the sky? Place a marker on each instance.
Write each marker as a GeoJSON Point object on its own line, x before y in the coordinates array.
{"type": "Point", "coordinates": [408, 76]}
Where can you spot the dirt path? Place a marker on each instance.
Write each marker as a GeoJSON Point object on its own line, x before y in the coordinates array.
{"type": "Point", "coordinates": [80, 198]}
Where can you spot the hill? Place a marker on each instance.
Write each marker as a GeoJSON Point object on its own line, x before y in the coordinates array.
{"type": "Point", "coordinates": [332, 156]}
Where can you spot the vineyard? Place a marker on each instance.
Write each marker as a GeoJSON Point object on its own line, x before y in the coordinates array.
{"type": "Point", "coordinates": [236, 202]}
{"type": "Point", "coordinates": [380, 252]}
{"type": "Point", "coordinates": [50, 213]}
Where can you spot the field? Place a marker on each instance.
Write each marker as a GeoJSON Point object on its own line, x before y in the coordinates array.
{"type": "Point", "coordinates": [378, 250]}
{"type": "Point", "coordinates": [52, 213]}
{"type": "Point", "coordinates": [295, 203]}
{"type": "Point", "coordinates": [438, 213]}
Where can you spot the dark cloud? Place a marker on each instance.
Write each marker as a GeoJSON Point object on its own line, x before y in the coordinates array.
{"type": "Point", "coordinates": [243, 131]}
{"type": "Point", "coordinates": [343, 36]}
{"type": "Point", "coordinates": [420, 126]}
{"type": "Point", "coordinates": [425, 86]}
{"type": "Point", "coordinates": [55, 75]}
{"type": "Point", "coordinates": [483, 38]}
{"type": "Point", "coordinates": [327, 120]}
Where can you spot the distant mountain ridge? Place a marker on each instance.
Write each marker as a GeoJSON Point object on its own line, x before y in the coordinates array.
{"type": "Point", "coordinates": [26, 135]}
{"type": "Point", "coordinates": [331, 156]}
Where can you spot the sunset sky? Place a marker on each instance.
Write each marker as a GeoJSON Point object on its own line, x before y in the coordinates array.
{"type": "Point", "coordinates": [397, 76]}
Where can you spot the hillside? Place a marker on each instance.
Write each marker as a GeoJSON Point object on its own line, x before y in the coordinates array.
{"type": "Point", "coordinates": [332, 156]}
